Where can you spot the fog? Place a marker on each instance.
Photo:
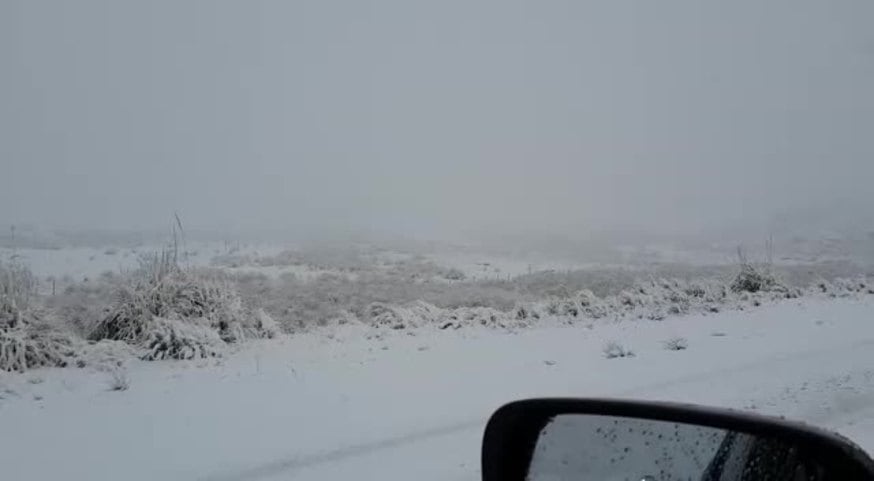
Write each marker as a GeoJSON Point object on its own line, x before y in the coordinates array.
{"type": "Point", "coordinates": [444, 118]}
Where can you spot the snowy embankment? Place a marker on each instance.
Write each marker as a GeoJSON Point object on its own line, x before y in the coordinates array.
{"type": "Point", "coordinates": [313, 406]}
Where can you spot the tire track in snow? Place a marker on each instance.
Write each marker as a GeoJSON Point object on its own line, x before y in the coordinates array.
{"type": "Point", "coordinates": [297, 462]}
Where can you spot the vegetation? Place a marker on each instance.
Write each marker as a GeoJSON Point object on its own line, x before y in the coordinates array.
{"type": "Point", "coordinates": [613, 350]}
{"type": "Point", "coordinates": [175, 313]}
{"type": "Point", "coordinates": [677, 344]}
{"type": "Point", "coordinates": [166, 310]}
{"type": "Point", "coordinates": [26, 340]}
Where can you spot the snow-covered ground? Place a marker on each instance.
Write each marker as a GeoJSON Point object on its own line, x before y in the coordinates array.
{"type": "Point", "coordinates": [89, 262]}
{"type": "Point", "coordinates": [475, 262]}
{"type": "Point", "coordinates": [334, 406]}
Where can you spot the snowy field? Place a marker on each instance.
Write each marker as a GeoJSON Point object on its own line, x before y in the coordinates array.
{"type": "Point", "coordinates": [476, 262]}
{"type": "Point", "coordinates": [391, 358]}
{"type": "Point", "coordinates": [331, 406]}
{"type": "Point", "coordinates": [91, 261]}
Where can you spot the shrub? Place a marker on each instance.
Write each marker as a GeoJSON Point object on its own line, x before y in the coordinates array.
{"type": "Point", "coordinates": [177, 339]}
{"type": "Point", "coordinates": [18, 287]}
{"type": "Point", "coordinates": [26, 340]}
{"type": "Point", "coordinates": [676, 344]}
{"type": "Point", "coordinates": [753, 278]}
{"type": "Point", "coordinates": [613, 350]}
{"type": "Point", "coordinates": [27, 346]}
{"type": "Point", "coordinates": [175, 313]}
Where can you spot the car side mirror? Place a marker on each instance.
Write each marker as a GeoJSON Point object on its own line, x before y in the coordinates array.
{"type": "Point", "coordinates": [606, 439]}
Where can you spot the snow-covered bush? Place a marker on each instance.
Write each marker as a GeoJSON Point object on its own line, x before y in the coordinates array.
{"type": "Point", "coordinates": [482, 316]}
{"type": "Point", "coordinates": [566, 308]}
{"type": "Point", "coordinates": [753, 277]}
{"type": "Point", "coordinates": [175, 313]}
{"type": "Point", "coordinates": [415, 314]}
{"type": "Point", "coordinates": [613, 350]}
{"type": "Point", "coordinates": [26, 340]}
{"type": "Point", "coordinates": [524, 313]}
{"type": "Point", "coordinates": [28, 346]}
{"type": "Point", "coordinates": [676, 344]}
{"type": "Point", "coordinates": [385, 316]}
{"type": "Point", "coordinates": [179, 339]}
{"type": "Point", "coordinates": [422, 314]}
{"type": "Point", "coordinates": [591, 305]}
{"type": "Point", "coordinates": [18, 288]}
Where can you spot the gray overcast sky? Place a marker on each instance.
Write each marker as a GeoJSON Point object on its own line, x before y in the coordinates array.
{"type": "Point", "coordinates": [429, 116]}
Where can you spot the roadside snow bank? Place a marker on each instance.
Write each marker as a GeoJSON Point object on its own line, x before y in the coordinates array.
{"type": "Point", "coordinates": [653, 300]}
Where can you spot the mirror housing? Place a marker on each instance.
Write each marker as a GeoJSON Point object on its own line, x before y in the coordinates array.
{"type": "Point", "coordinates": [512, 435]}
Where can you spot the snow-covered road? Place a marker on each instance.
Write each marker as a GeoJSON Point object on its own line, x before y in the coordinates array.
{"type": "Point", "coordinates": [414, 406]}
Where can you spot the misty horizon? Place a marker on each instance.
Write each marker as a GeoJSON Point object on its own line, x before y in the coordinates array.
{"type": "Point", "coordinates": [450, 119]}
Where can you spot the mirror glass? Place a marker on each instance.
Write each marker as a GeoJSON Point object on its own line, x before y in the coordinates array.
{"type": "Point", "coordinates": [593, 447]}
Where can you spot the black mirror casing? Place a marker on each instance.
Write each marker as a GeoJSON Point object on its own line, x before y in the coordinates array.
{"type": "Point", "coordinates": [512, 434]}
